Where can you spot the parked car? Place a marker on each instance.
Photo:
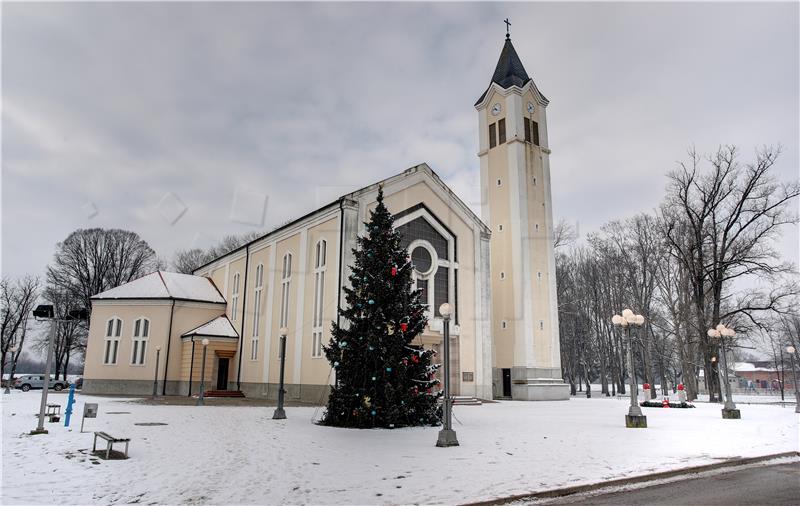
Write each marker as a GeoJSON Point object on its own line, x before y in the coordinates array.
{"type": "Point", "coordinates": [30, 381]}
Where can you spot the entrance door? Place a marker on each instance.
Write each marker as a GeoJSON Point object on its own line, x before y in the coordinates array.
{"type": "Point", "coordinates": [506, 382]}
{"type": "Point", "coordinates": [222, 374]}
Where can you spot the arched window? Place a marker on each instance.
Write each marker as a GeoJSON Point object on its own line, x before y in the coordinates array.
{"type": "Point", "coordinates": [257, 311]}
{"type": "Point", "coordinates": [235, 296]}
{"type": "Point", "coordinates": [320, 262]}
{"type": "Point", "coordinates": [432, 248]}
{"type": "Point", "coordinates": [113, 333]}
{"type": "Point", "coordinates": [286, 279]}
{"type": "Point", "coordinates": [141, 332]}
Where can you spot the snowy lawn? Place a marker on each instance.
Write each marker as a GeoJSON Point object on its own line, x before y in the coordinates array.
{"type": "Point", "coordinates": [239, 455]}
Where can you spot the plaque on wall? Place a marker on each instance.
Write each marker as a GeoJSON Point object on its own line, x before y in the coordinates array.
{"type": "Point", "coordinates": [468, 376]}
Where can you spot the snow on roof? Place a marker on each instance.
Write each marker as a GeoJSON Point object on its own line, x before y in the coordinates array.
{"type": "Point", "coordinates": [220, 326]}
{"type": "Point", "coordinates": [744, 367]}
{"type": "Point", "coordinates": [166, 285]}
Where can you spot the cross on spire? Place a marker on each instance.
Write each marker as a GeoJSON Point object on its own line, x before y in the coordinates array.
{"type": "Point", "coordinates": [508, 28]}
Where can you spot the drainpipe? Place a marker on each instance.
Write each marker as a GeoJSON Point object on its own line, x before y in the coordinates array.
{"type": "Point", "coordinates": [244, 317]}
{"type": "Point", "coordinates": [341, 258]}
{"type": "Point", "coordinates": [166, 358]}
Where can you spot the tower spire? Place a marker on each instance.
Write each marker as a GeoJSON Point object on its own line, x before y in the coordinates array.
{"type": "Point", "coordinates": [508, 29]}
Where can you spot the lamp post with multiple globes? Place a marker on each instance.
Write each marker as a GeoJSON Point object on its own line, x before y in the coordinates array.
{"type": "Point", "coordinates": [634, 418]}
{"type": "Point", "coordinates": [720, 332]}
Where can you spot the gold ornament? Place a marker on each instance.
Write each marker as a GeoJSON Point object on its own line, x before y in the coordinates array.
{"type": "Point", "coordinates": [367, 402]}
{"type": "Point", "coordinates": [390, 330]}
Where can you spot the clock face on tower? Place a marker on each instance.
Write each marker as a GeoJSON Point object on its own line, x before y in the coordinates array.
{"type": "Point", "coordinates": [530, 107]}
{"type": "Point", "coordinates": [496, 109]}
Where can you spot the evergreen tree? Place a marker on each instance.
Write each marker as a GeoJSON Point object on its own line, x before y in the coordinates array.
{"type": "Point", "coordinates": [382, 379]}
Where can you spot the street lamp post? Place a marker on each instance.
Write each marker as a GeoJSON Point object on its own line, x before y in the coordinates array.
{"type": "Point", "coordinates": [280, 413]}
{"type": "Point", "coordinates": [447, 436]}
{"type": "Point", "coordinates": [47, 312]}
{"type": "Point", "coordinates": [634, 419]}
{"type": "Point", "coordinates": [155, 375]}
{"type": "Point", "coordinates": [729, 410]}
{"type": "Point", "coordinates": [200, 401]}
{"type": "Point", "coordinates": [791, 351]}
{"type": "Point", "coordinates": [7, 390]}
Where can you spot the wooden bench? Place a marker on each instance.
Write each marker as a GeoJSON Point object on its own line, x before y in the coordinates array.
{"type": "Point", "coordinates": [110, 440]}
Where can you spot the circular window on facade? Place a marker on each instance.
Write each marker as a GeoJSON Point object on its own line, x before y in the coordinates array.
{"type": "Point", "coordinates": [421, 258]}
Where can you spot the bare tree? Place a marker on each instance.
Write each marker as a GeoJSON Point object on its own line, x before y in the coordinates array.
{"type": "Point", "coordinates": [90, 261]}
{"type": "Point", "coordinates": [17, 298]}
{"type": "Point", "coordinates": [187, 260]}
{"type": "Point", "coordinates": [720, 224]}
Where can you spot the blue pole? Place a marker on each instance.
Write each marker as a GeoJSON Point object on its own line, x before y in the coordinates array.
{"type": "Point", "coordinates": [70, 402]}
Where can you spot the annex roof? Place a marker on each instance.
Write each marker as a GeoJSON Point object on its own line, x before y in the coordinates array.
{"type": "Point", "coordinates": [220, 326]}
{"type": "Point", "coordinates": [166, 285]}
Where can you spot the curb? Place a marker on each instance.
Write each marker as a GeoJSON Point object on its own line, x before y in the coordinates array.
{"type": "Point", "coordinates": [578, 489]}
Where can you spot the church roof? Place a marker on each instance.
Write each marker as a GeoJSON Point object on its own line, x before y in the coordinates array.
{"type": "Point", "coordinates": [220, 326]}
{"type": "Point", "coordinates": [509, 70]}
{"type": "Point", "coordinates": [166, 285]}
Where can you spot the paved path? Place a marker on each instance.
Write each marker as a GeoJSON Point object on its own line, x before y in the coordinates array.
{"type": "Point", "coordinates": [773, 485]}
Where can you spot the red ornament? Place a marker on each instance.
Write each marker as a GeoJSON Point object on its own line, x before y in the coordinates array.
{"type": "Point", "coordinates": [404, 327]}
{"type": "Point", "coordinates": [646, 386]}
{"type": "Point", "coordinates": [680, 386]}
{"type": "Point", "coordinates": [394, 270]}
{"type": "Point", "coordinates": [665, 403]}
{"type": "Point", "coordinates": [415, 359]}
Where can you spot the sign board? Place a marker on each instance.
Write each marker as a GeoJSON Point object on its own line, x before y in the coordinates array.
{"type": "Point", "coordinates": [90, 410]}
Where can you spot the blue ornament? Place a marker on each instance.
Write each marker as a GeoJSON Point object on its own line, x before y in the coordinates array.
{"type": "Point", "coordinates": [344, 344]}
{"type": "Point", "coordinates": [371, 302]}
{"type": "Point", "coordinates": [358, 305]}
{"type": "Point", "coordinates": [373, 378]}
{"type": "Point", "coordinates": [373, 412]}
{"type": "Point", "coordinates": [371, 348]}
{"type": "Point", "coordinates": [365, 278]}
{"type": "Point", "coordinates": [388, 369]}
{"type": "Point", "coordinates": [369, 254]}
{"type": "Point", "coordinates": [336, 364]}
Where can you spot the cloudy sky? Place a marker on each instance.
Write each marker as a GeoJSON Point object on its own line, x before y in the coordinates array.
{"type": "Point", "coordinates": [176, 120]}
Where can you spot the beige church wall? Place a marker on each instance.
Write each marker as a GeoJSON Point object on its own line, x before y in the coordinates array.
{"type": "Point", "coordinates": [128, 311]}
{"type": "Point", "coordinates": [316, 371]}
{"type": "Point", "coordinates": [252, 370]}
{"type": "Point", "coordinates": [218, 278]}
{"type": "Point", "coordinates": [235, 266]}
{"type": "Point", "coordinates": [288, 244]}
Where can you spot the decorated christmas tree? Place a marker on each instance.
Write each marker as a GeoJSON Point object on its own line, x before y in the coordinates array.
{"type": "Point", "coordinates": [383, 379]}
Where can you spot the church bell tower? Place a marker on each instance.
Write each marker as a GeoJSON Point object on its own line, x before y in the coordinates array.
{"type": "Point", "coordinates": [516, 203]}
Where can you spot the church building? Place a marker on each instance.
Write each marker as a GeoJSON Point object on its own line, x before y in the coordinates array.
{"type": "Point", "coordinates": [497, 271]}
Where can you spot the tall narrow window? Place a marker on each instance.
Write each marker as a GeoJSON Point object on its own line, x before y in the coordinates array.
{"type": "Point", "coordinates": [535, 129]}
{"type": "Point", "coordinates": [492, 135]}
{"type": "Point", "coordinates": [319, 297]}
{"type": "Point", "coordinates": [257, 311]}
{"type": "Point", "coordinates": [141, 331]}
{"type": "Point", "coordinates": [286, 279]}
{"type": "Point", "coordinates": [527, 130]}
{"type": "Point", "coordinates": [113, 333]}
{"type": "Point", "coordinates": [501, 131]}
{"type": "Point", "coordinates": [235, 296]}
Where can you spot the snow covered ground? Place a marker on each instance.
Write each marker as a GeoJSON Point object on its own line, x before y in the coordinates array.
{"type": "Point", "coordinates": [239, 455]}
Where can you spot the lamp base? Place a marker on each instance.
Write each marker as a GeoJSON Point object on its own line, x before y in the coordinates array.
{"type": "Point", "coordinates": [37, 431]}
{"type": "Point", "coordinates": [636, 421]}
{"type": "Point", "coordinates": [447, 437]}
{"type": "Point", "coordinates": [279, 414]}
{"type": "Point", "coordinates": [731, 414]}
